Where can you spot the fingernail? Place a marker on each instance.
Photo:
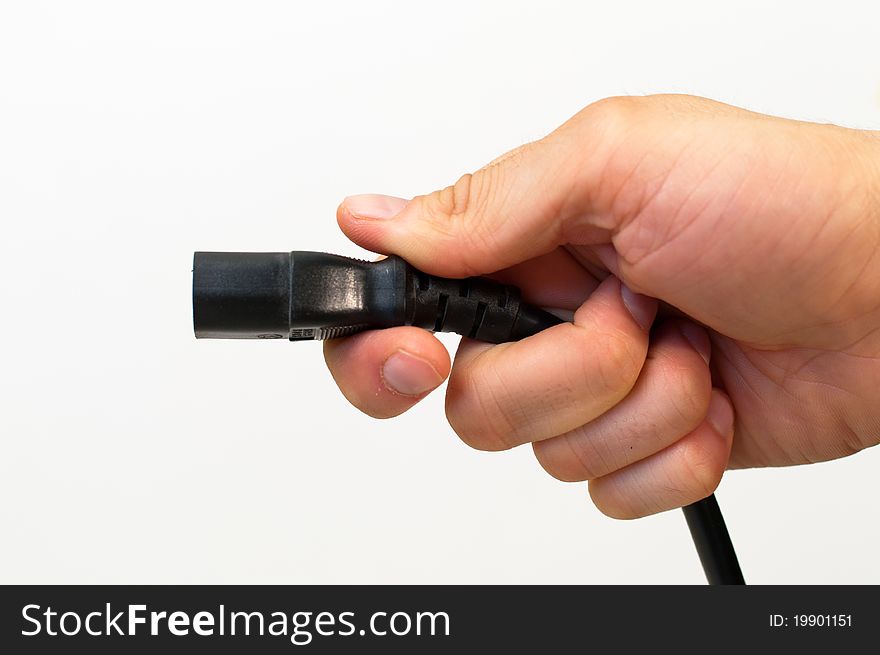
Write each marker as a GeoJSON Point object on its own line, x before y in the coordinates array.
{"type": "Point", "coordinates": [698, 338]}
{"type": "Point", "coordinates": [373, 205]}
{"type": "Point", "coordinates": [409, 375]}
{"type": "Point", "coordinates": [642, 308]}
{"type": "Point", "coordinates": [720, 414]}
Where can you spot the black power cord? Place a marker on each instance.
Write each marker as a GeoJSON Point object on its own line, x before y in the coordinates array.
{"type": "Point", "coordinates": [309, 295]}
{"type": "Point", "coordinates": [713, 543]}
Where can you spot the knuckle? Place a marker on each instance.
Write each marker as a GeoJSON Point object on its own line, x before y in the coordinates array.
{"type": "Point", "coordinates": [702, 470]}
{"type": "Point", "coordinates": [461, 192]}
{"type": "Point", "coordinates": [475, 413]}
{"type": "Point", "coordinates": [611, 504]}
{"type": "Point", "coordinates": [691, 393]}
{"type": "Point", "coordinates": [616, 371]}
{"type": "Point", "coordinates": [460, 213]}
{"type": "Point", "coordinates": [592, 462]}
{"type": "Point", "coordinates": [450, 202]}
{"type": "Point", "coordinates": [564, 467]}
{"type": "Point", "coordinates": [586, 458]}
{"type": "Point", "coordinates": [611, 115]}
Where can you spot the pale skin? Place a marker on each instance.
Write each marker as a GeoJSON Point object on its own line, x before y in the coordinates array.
{"type": "Point", "coordinates": [723, 271]}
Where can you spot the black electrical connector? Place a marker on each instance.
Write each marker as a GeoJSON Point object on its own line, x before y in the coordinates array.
{"type": "Point", "coordinates": [310, 295]}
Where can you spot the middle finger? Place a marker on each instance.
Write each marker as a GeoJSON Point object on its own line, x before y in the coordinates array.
{"type": "Point", "coordinates": [505, 395]}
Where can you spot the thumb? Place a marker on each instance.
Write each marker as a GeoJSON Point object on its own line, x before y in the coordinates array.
{"type": "Point", "coordinates": [511, 210]}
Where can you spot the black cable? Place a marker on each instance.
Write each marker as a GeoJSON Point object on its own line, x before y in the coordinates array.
{"type": "Point", "coordinates": [303, 296]}
{"type": "Point", "coordinates": [713, 543]}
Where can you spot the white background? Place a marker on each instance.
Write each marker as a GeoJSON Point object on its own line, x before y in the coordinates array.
{"type": "Point", "coordinates": [132, 134]}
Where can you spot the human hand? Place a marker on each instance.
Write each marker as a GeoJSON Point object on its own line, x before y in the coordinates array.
{"type": "Point", "coordinates": [761, 238]}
